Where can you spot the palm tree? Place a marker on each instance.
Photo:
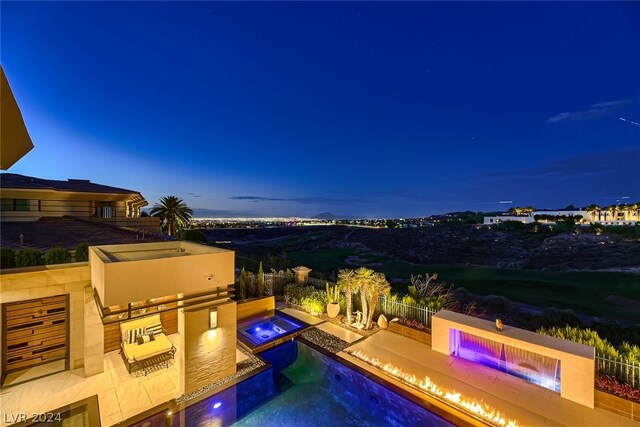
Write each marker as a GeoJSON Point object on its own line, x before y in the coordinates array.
{"type": "Point", "coordinates": [347, 285]}
{"type": "Point", "coordinates": [635, 210]}
{"type": "Point", "coordinates": [378, 285]}
{"type": "Point", "coordinates": [613, 209]}
{"type": "Point", "coordinates": [173, 213]}
{"type": "Point", "coordinates": [593, 210]}
{"type": "Point", "coordinates": [363, 278]}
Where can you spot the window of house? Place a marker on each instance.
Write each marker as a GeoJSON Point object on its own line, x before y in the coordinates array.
{"type": "Point", "coordinates": [15, 205]}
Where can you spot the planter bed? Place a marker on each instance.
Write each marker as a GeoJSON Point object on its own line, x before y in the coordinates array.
{"type": "Point", "coordinates": [409, 332]}
{"type": "Point", "coordinates": [617, 404]}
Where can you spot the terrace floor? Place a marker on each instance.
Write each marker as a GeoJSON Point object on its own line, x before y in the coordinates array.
{"type": "Point", "coordinates": [518, 399]}
{"type": "Point", "coordinates": [120, 394]}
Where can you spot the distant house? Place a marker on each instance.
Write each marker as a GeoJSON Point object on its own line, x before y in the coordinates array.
{"type": "Point", "coordinates": [622, 215]}
{"type": "Point", "coordinates": [488, 220]}
{"type": "Point", "coordinates": [26, 198]}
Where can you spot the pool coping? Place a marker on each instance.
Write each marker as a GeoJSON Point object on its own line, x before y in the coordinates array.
{"type": "Point", "coordinates": [257, 349]}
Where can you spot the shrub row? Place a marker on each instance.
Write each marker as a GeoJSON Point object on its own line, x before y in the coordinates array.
{"type": "Point", "coordinates": [33, 257]}
{"type": "Point", "coordinates": [310, 298]}
{"type": "Point", "coordinates": [626, 352]}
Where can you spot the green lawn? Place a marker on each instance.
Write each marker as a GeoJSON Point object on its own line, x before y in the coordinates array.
{"type": "Point", "coordinates": [584, 292]}
{"type": "Point", "coordinates": [322, 259]}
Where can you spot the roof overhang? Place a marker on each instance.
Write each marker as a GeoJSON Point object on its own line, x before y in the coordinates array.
{"type": "Point", "coordinates": [15, 141]}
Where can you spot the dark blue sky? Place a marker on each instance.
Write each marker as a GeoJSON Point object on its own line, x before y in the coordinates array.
{"type": "Point", "coordinates": [365, 109]}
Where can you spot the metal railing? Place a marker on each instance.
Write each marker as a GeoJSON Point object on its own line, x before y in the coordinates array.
{"type": "Point", "coordinates": [416, 312]}
{"type": "Point", "coordinates": [617, 368]}
{"type": "Point", "coordinates": [280, 280]}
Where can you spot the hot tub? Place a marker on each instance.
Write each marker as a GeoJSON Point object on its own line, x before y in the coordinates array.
{"type": "Point", "coordinates": [262, 332]}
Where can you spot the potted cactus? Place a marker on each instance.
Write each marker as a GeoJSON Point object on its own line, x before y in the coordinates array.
{"type": "Point", "coordinates": [333, 300]}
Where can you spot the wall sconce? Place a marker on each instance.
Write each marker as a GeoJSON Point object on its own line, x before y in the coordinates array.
{"type": "Point", "coordinates": [213, 318]}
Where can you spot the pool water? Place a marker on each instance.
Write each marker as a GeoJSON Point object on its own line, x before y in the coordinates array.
{"type": "Point", "coordinates": [264, 329]}
{"type": "Point", "coordinates": [303, 388]}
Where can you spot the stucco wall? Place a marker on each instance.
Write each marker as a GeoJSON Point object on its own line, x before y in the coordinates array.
{"type": "Point", "coordinates": [121, 282]}
{"type": "Point", "coordinates": [208, 355]}
{"type": "Point", "coordinates": [577, 361]}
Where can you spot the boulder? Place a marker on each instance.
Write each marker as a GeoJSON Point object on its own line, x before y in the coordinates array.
{"type": "Point", "coordinates": [382, 322]}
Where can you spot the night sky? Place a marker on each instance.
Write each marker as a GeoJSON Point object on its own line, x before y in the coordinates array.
{"type": "Point", "coordinates": [361, 109]}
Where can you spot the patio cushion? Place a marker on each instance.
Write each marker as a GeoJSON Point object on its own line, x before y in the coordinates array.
{"type": "Point", "coordinates": [154, 329]}
{"type": "Point", "coordinates": [138, 323]}
{"type": "Point", "coordinates": [134, 352]}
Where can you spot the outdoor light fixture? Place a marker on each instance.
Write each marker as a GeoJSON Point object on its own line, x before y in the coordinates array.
{"type": "Point", "coordinates": [213, 318]}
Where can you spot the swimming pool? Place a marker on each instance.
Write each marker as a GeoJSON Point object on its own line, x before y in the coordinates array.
{"type": "Point", "coordinates": [303, 388]}
{"type": "Point", "coordinates": [261, 330]}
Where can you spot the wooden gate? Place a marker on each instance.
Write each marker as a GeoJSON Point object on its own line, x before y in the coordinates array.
{"type": "Point", "coordinates": [35, 332]}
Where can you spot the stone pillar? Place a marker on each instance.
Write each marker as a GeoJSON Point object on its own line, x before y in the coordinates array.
{"type": "Point", "coordinates": [207, 354]}
{"type": "Point", "coordinates": [93, 336]}
{"type": "Point", "coordinates": [302, 273]}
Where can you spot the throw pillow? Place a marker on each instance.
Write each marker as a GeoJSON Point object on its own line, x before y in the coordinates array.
{"type": "Point", "coordinates": [155, 329]}
{"type": "Point", "coordinates": [132, 335]}
{"type": "Point", "coordinates": [143, 338]}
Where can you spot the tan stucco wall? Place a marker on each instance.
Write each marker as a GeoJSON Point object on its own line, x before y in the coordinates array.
{"type": "Point", "coordinates": [126, 281]}
{"type": "Point", "coordinates": [208, 355]}
{"type": "Point", "coordinates": [254, 307]}
{"type": "Point", "coordinates": [577, 361]}
{"type": "Point", "coordinates": [45, 281]}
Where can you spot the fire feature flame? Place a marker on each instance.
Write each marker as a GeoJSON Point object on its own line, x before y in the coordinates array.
{"type": "Point", "coordinates": [480, 410]}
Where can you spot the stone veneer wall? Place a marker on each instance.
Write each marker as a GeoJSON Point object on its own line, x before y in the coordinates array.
{"type": "Point", "coordinates": [207, 355]}
{"type": "Point", "coordinates": [85, 342]}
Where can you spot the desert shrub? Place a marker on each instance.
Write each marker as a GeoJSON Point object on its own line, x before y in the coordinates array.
{"type": "Point", "coordinates": [196, 236]}
{"type": "Point", "coordinates": [313, 305]}
{"type": "Point", "coordinates": [29, 258]}
{"type": "Point", "coordinates": [57, 255]}
{"type": "Point", "coordinates": [7, 258]}
{"type": "Point", "coordinates": [279, 279]}
{"type": "Point", "coordinates": [498, 304]}
{"type": "Point", "coordinates": [246, 284]}
{"type": "Point", "coordinates": [511, 225]}
{"type": "Point", "coordinates": [260, 285]}
{"type": "Point", "coordinates": [308, 298]}
{"type": "Point", "coordinates": [82, 252]}
{"type": "Point", "coordinates": [627, 231]}
{"type": "Point", "coordinates": [625, 353]}
{"type": "Point", "coordinates": [408, 299]}
{"type": "Point", "coordinates": [552, 316]}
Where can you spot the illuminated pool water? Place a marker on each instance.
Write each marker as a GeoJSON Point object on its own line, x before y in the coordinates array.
{"type": "Point", "coordinates": [264, 329]}
{"type": "Point", "coordinates": [303, 388]}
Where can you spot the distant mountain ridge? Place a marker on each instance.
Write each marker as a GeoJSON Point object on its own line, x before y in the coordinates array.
{"type": "Point", "coordinates": [330, 216]}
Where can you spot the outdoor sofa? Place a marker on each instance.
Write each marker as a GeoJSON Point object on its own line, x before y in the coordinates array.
{"type": "Point", "coordinates": [138, 348]}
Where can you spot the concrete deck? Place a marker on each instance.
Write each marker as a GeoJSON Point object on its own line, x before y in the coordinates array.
{"type": "Point", "coordinates": [301, 315]}
{"type": "Point", "coordinates": [518, 399]}
{"type": "Point", "coordinates": [340, 332]}
{"type": "Point", "coordinates": [120, 395]}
